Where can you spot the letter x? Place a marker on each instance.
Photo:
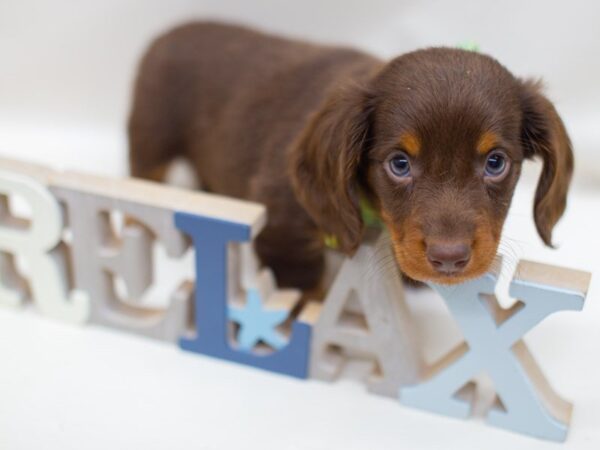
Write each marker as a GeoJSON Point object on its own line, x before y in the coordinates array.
{"type": "Point", "coordinates": [494, 345]}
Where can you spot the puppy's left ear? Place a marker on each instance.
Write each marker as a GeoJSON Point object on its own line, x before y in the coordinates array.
{"type": "Point", "coordinates": [543, 135]}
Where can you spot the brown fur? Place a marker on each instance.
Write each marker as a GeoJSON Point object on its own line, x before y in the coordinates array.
{"type": "Point", "coordinates": [305, 128]}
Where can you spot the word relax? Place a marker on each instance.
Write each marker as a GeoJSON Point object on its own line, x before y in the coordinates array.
{"type": "Point", "coordinates": [71, 276]}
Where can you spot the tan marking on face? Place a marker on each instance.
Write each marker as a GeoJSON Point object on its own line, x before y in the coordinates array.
{"type": "Point", "coordinates": [411, 143]}
{"type": "Point", "coordinates": [411, 253]}
{"type": "Point", "coordinates": [487, 142]}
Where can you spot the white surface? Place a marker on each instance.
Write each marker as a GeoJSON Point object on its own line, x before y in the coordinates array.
{"type": "Point", "coordinates": [68, 387]}
{"type": "Point", "coordinates": [64, 80]}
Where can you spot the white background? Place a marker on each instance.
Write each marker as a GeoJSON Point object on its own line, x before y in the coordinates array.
{"type": "Point", "coordinates": [65, 76]}
{"type": "Point", "coordinates": [66, 67]}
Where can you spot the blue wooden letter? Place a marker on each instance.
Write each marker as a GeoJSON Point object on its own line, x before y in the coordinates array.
{"type": "Point", "coordinates": [210, 237]}
{"type": "Point", "coordinates": [526, 402]}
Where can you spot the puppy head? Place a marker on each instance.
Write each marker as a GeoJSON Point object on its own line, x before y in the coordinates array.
{"type": "Point", "coordinates": [435, 140]}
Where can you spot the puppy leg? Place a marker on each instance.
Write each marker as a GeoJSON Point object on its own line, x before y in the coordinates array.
{"type": "Point", "coordinates": [296, 258]}
{"type": "Point", "coordinates": [154, 128]}
{"type": "Point", "coordinates": [152, 142]}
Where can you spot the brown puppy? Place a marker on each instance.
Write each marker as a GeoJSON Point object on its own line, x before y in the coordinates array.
{"type": "Point", "coordinates": [434, 139]}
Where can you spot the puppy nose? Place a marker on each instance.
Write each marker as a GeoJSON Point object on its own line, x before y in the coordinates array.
{"type": "Point", "coordinates": [449, 258]}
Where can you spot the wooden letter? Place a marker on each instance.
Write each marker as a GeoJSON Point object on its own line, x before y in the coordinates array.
{"type": "Point", "coordinates": [525, 400]}
{"type": "Point", "coordinates": [211, 237]}
{"type": "Point", "coordinates": [101, 256]}
{"type": "Point", "coordinates": [364, 318]}
{"type": "Point", "coordinates": [38, 241]}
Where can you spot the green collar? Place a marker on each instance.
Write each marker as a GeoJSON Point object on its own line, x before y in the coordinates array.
{"type": "Point", "coordinates": [369, 216]}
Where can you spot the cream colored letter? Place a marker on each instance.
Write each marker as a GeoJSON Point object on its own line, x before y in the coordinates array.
{"type": "Point", "coordinates": [39, 244]}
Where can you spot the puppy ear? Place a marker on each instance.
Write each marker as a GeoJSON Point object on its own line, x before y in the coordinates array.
{"type": "Point", "coordinates": [325, 163]}
{"type": "Point", "coordinates": [543, 135]}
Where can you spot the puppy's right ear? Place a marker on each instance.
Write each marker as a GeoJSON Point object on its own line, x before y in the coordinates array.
{"type": "Point", "coordinates": [325, 162]}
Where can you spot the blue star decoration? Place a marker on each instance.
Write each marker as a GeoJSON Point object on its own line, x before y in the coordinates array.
{"type": "Point", "coordinates": [257, 323]}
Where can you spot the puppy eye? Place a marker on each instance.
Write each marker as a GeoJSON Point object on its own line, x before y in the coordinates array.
{"type": "Point", "coordinates": [399, 166]}
{"type": "Point", "coordinates": [496, 165]}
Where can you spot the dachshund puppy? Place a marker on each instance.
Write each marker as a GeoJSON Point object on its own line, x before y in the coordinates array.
{"type": "Point", "coordinates": [433, 140]}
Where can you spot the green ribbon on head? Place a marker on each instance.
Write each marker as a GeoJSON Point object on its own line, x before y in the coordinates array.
{"type": "Point", "coordinates": [469, 46]}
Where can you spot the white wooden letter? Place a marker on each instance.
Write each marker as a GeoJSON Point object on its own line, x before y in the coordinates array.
{"type": "Point", "coordinates": [364, 318]}
{"type": "Point", "coordinates": [39, 243]}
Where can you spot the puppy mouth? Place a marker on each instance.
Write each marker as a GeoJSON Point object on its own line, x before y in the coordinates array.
{"type": "Point", "coordinates": [413, 262]}
{"type": "Point", "coordinates": [443, 278]}
{"type": "Point", "coordinates": [452, 278]}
